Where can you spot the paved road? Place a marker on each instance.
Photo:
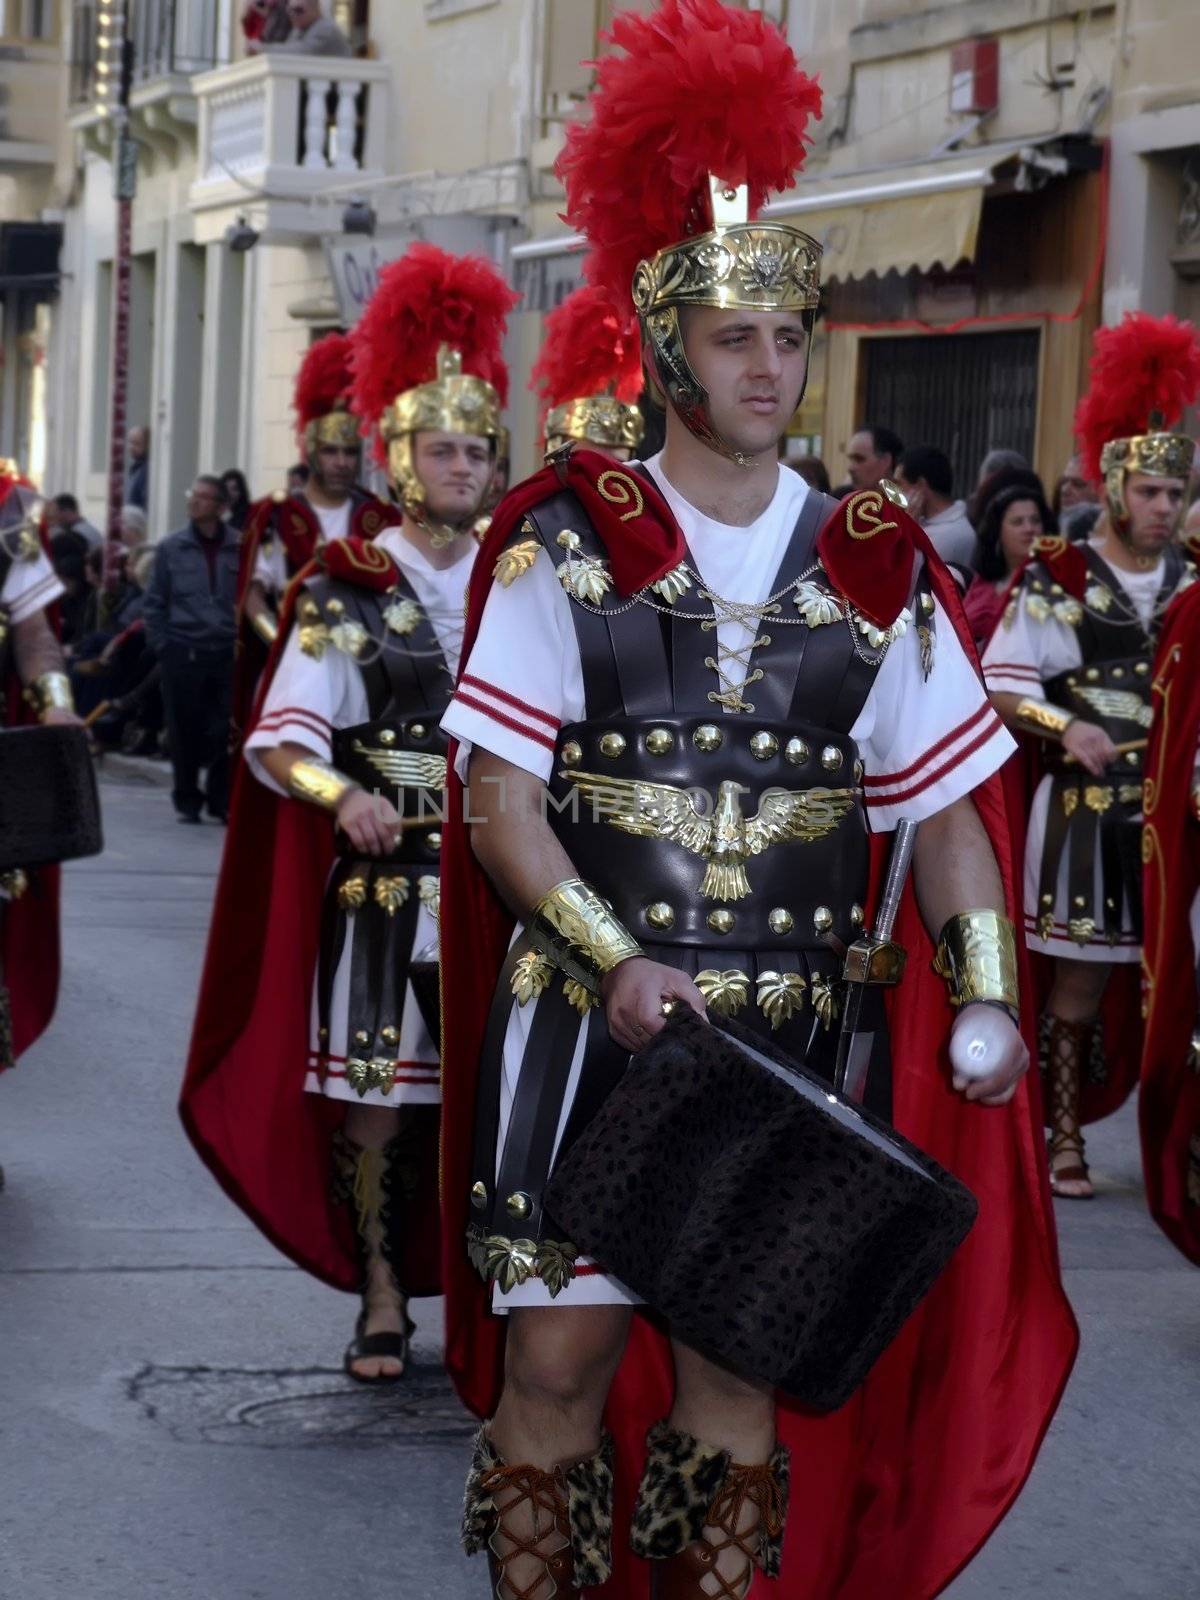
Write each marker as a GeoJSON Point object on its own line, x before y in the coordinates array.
{"type": "Point", "coordinates": [172, 1422]}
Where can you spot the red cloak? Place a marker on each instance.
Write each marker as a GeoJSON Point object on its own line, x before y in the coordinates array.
{"type": "Point", "coordinates": [30, 957]}
{"type": "Point", "coordinates": [291, 520]}
{"type": "Point", "coordinates": [1170, 1100]}
{"type": "Point", "coordinates": [244, 1105]}
{"type": "Point", "coordinates": [897, 1491]}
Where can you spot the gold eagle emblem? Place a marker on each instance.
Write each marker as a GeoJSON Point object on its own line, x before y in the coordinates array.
{"type": "Point", "coordinates": [405, 769]}
{"type": "Point", "coordinates": [1120, 704]}
{"type": "Point", "coordinates": [726, 838]}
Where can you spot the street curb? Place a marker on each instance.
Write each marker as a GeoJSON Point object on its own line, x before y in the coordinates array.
{"type": "Point", "coordinates": [141, 769]}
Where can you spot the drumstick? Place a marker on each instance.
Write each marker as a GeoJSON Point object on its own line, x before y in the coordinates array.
{"type": "Point", "coordinates": [94, 716]}
{"type": "Point", "coordinates": [1121, 749]}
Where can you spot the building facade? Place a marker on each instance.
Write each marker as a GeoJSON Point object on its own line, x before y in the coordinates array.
{"type": "Point", "coordinates": [989, 179]}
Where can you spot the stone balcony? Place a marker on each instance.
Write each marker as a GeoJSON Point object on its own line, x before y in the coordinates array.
{"type": "Point", "coordinates": [278, 132]}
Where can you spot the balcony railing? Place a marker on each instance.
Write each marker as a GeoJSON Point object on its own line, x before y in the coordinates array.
{"type": "Point", "coordinates": [171, 38]}
{"type": "Point", "coordinates": [283, 126]}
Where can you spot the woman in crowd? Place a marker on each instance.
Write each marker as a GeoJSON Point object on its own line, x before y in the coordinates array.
{"type": "Point", "coordinates": [1012, 520]}
{"type": "Point", "coordinates": [237, 491]}
{"type": "Point", "coordinates": [132, 527]}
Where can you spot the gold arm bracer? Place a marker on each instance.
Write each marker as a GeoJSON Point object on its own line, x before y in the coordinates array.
{"type": "Point", "coordinates": [320, 784]}
{"type": "Point", "coordinates": [50, 692]}
{"type": "Point", "coordinates": [265, 626]}
{"type": "Point", "coordinates": [977, 956]}
{"type": "Point", "coordinates": [576, 930]}
{"type": "Point", "coordinates": [1042, 718]}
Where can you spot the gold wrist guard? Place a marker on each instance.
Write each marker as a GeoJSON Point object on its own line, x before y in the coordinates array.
{"type": "Point", "coordinates": [52, 691]}
{"type": "Point", "coordinates": [977, 956]}
{"type": "Point", "coordinates": [319, 783]}
{"type": "Point", "coordinates": [576, 930]}
{"type": "Point", "coordinates": [1040, 717]}
{"type": "Point", "coordinates": [265, 626]}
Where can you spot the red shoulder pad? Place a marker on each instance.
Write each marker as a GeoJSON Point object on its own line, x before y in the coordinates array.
{"type": "Point", "coordinates": [372, 515]}
{"type": "Point", "coordinates": [358, 561]}
{"type": "Point", "coordinates": [633, 520]}
{"type": "Point", "coordinates": [1064, 561]}
{"type": "Point", "coordinates": [867, 548]}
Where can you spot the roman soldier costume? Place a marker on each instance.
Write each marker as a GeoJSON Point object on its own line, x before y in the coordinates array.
{"type": "Point", "coordinates": [1077, 640]}
{"type": "Point", "coordinates": [29, 900]}
{"type": "Point", "coordinates": [322, 966]}
{"type": "Point", "coordinates": [589, 375]}
{"type": "Point", "coordinates": [283, 532]}
{"type": "Point", "coordinates": [811, 673]}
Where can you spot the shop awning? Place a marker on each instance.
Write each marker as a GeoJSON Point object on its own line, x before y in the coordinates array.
{"type": "Point", "coordinates": [892, 219]}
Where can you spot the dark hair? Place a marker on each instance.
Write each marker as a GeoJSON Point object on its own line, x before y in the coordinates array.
{"type": "Point", "coordinates": [884, 441]}
{"type": "Point", "coordinates": [1078, 522]}
{"type": "Point", "coordinates": [928, 462]}
{"type": "Point", "coordinates": [66, 502]}
{"type": "Point", "coordinates": [1003, 478]}
{"type": "Point", "coordinates": [239, 478]}
{"type": "Point", "coordinates": [216, 485]}
{"type": "Point", "coordinates": [300, 470]}
{"type": "Point", "coordinates": [813, 470]}
{"type": "Point", "coordinates": [989, 558]}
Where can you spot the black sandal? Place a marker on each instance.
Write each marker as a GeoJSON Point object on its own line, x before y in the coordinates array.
{"type": "Point", "coordinates": [378, 1347]}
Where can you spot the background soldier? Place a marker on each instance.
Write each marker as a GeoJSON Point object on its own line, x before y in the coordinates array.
{"type": "Point", "coordinates": [589, 375]}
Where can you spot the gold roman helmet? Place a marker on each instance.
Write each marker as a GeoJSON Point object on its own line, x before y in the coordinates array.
{"type": "Point", "coordinates": [699, 113]}
{"type": "Point", "coordinates": [427, 359]}
{"type": "Point", "coordinates": [598, 419]}
{"type": "Point", "coordinates": [736, 265]}
{"type": "Point", "coordinates": [321, 397]}
{"type": "Point", "coordinates": [589, 373]}
{"type": "Point", "coordinates": [1144, 373]}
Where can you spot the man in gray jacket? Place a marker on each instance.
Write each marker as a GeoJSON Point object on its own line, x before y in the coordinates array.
{"type": "Point", "coordinates": [189, 615]}
{"type": "Point", "coordinates": [311, 35]}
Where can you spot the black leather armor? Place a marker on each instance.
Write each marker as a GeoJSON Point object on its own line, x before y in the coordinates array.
{"type": "Point", "coordinates": [1089, 816]}
{"type": "Point", "coordinates": [731, 843]}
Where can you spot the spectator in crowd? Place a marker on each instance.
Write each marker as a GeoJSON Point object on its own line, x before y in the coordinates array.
{"type": "Point", "coordinates": [189, 613]}
{"type": "Point", "coordinates": [105, 615]}
{"type": "Point", "coordinates": [1004, 477]}
{"type": "Point", "coordinates": [812, 469]}
{"type": "Point", "coordinates": [1079, 523]}
{"type": "Point", "coordinates": [69, 548]}
{"type": "Point", "coordinates": [311, 34]}
{"type": "Point", "coordinates": [266, 21]}
{"type": "Point", "coordinates": [1000, 460]}
{"type": "Point", "coordinates": [237, 492]}
{"type": "Point", "coordinates": [927, 478]}
{"type": "Point", "coordinates": [64, 516]}
{"type": "Point", "coordinates": [872, 454]}
{"type": "Point", "coordinates": [1074, 488]}
{"type": "Point", "coordinates": [132, 527]}
{"type": "Point", "coordinates": [1013, 519]}
{"type": "Point", "coordinates": [297, 477]}
{"type": "Point", "coordinates": [137, 475]}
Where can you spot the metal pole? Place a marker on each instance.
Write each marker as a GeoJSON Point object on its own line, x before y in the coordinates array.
{"type": "Point", "coordinates": [124, 189]}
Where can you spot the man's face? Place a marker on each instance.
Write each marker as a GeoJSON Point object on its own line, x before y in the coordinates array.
{"type": "Point", "coordinates": [139, 439]}
{"type": "Point", "coordinates": [203, 502]}
{"type": "Point", "coordinates": [1153, 505]}
{"type": "Point", "coordinates": [303, 13]}
{"type": "Point", "coordinates": [1074, 488]}
{"type": "Point", "coordinates": [914, 493]}
{"type": "Point", "coordinates": [335, 467]}
{"type": "Point", "coordinates": [864, 467]}
{"type": "Point", "coordinates": [753, 365]}
{"type": "Point", "coordinates": [455, 470]}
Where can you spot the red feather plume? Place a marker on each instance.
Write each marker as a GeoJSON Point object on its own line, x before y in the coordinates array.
{"type": "Point", "coordinates": [429, 298]}
{"type": "Point", "coordinates": [700, 88]}
{"type": "Point", "coordinates": [590, 348]}
{"type": "Point", "coordinates": [323, 380]}
{"type": "Point", "coordinates": [1145, 364]}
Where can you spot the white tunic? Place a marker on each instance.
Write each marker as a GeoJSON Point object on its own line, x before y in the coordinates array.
{"type": "Point", "coordinates": [270, 559]}
{"type": "Point", "coordinates": [1022, 656]}
{"type": "Point", "coordinates": [307, 700]}
{"type": "Point", "coordinates": [922, 744]}
{"type": "Point", "coordinates": [30, 584]}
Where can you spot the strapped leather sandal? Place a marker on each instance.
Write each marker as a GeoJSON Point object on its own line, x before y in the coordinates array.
{"type": "Point", "coordinates": [1068, 1047]}
{"type": "Point", "coordinates": [546, 1534]}
{"type": "Point", "coordinates": [378, 1347]}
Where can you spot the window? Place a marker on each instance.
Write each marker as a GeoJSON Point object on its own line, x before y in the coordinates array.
{"type": "Point", "coordinates": [35, 21]}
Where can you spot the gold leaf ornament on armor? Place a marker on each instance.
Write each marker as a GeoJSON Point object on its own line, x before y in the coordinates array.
{"type": "Point", "coordinates": [391, 892]}
{"type": "Point", "coordinates": [531, 975]}
{"type": "Point", "coordinates": [311, 628]}
{"type": "Point", "coordinates": [863, 520]}
{"type": "Point", "coordinates": [724, 992]}
{"type": "Point", "coordinates": [586, 577]}
{"type": "Point", "coordinates": [780, 996]}
{"type": "Point", "coordinates": [816, 605]}
{"type": "Point", "coordinates": [402, 615]}
{"type": "Point", "coordinates": [515, 561]}
{"type": "Point", "coordinates": [727, 838]}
